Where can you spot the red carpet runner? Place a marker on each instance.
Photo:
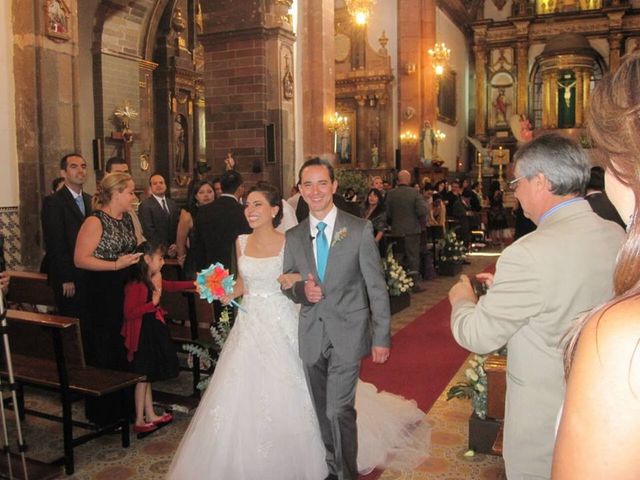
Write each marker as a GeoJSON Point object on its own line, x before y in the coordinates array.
{"type": "Point", "coordinates": [424, 358]}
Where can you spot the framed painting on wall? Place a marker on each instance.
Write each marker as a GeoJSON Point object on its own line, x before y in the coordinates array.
{"type": "Point", "coordinates": [344, 142]}
{"type": "Point", "coordinates": [447, 98]}
{"type": "Point", "coordinates": [56, 14]}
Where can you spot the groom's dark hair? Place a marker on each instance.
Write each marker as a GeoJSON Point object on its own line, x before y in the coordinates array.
{"type": "Point", "coordinates": [319, 162]}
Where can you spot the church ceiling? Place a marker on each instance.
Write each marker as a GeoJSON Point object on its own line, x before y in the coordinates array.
{"type": "Point", "coordinates": [461, 12]}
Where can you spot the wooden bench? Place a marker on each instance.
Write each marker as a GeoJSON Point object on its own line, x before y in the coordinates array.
{"type": "Point", "coordinates": [46, 353]}
{"type": "Point", "coordinates": [32, 288]}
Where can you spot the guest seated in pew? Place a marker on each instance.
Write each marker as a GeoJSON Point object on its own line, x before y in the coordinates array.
{"type": "Point", "coordinates": [147, 339]}
{"type": "Point", "coordinates": [599, 430]}
{"type": "Point", "coordinates": [542, 283]}
{"type": "Point", "coordinates": [105, 249]}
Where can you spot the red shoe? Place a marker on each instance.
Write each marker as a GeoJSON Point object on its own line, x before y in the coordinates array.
{"type": "Point", "coordinates": [166, 418]}
{"type": "Point", "coordinates": [145, 427]}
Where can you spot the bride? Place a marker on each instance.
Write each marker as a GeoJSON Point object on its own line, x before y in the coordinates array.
{"type": "Point", "coordinates": [256, 419]}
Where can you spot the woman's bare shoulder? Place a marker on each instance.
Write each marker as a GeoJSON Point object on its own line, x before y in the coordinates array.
{"type": "Point", "coordinates": [613, 333]}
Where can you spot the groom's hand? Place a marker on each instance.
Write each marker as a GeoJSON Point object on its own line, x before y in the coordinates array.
{"type": "Point", "coordinates": [311, 290]}
{"type": "Point", "coordinates": [380, 354]}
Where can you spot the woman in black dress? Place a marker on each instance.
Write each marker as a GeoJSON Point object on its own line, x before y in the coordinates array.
{"type": "Point", "coordinates": [203, 193]}
{"type": "Point", "coordinates": [105, 248]}
{"type": "Point", "coordinates": [375, 212]}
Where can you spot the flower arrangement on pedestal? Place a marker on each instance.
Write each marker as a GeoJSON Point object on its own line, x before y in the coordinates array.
{"type": "Point", "coordinates": [207, 352]}
{"type": "Point", "coordinates": [475, 387]}
{"type": "Point", "coordinates": [453, 250]}
{"type": "Point", "coordinates": [398, 282]}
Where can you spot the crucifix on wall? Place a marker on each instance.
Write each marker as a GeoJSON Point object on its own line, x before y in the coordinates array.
{"type": "Point", "coordinates": [125, 114]}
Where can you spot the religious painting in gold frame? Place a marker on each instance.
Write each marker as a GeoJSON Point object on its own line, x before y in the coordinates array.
{"type": "Point", "coordinates": [344, 142]}
{"type": "Point", "coordinates": [56, 18]}
{"type": "Point", "coordinates": [447, 98]}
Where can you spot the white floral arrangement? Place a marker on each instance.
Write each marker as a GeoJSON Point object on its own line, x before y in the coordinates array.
{"type": "Point", "coordinates": [453, 250]}
{"type": "Point", "coordinates": [398, 282]}
{"type": "Point", "coordinates": [475, 387]}
{"type": "Point", "coordinates": [207, 352]}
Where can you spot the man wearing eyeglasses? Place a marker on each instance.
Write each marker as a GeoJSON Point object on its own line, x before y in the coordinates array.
{"type": "Point", "coordinates": [543, 282]}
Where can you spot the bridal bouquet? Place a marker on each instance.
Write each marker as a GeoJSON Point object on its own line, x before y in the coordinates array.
{"type": "Point", "coordinates": [215, 282]}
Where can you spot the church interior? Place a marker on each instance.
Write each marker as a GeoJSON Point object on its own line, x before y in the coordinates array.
{"type": "Point", "coordinates": [446, 89]}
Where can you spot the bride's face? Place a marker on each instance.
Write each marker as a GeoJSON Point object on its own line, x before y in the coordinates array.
{"type": "Point", "coordinates": [258, 210]}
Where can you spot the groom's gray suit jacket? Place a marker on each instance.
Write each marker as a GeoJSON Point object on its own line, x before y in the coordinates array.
{"type": "Point", "coordinates": [355, 306]}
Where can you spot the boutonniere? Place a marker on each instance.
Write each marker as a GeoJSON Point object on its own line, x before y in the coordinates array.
{"type": "Point", "coordinates": [339, 236]}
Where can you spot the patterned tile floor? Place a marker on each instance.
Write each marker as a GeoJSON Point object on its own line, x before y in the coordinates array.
{"type": "Point", "coordinates": [104, 459]}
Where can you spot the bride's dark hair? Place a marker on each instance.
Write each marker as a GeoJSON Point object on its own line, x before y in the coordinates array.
{"type": "Point", "coordinates": [272, 194]}
{"type": "Point", "coordinates": [613, 125]}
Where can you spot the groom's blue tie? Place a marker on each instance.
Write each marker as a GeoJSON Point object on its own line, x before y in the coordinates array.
{"type": "Point", "coordinates": [322, 250]}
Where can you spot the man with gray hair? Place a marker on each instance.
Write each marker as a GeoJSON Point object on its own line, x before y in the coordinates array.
{"type": "Point", "coordinates": [543, 282]}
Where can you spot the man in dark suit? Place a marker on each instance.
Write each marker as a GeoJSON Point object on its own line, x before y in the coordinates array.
{"type": "Point", "coordinates": [65, 212]}
{"type": "Point", "coordinates": [159, 215]}
{"type": "Point", "coordinates": [405, 207]}
{"type": "Point", "coordinates": [598, 199]}
{"type": "Point", "coordinates": [219, 223]}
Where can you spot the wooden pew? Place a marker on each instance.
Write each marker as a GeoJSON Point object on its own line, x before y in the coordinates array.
{"type": "Point", "coordinates": [183, 308]}
{"type": "Point", "coordinates": [496, 368]}
{"type": "Point", "coordinates": [46, 352]}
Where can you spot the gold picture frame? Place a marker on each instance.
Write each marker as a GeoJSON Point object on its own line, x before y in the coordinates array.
{"type": "Point", "coordinates": [56, 18]}
{"type": "Point", "coordinates": [447, 103]}
{"type": "Point", "coordinates": [344, 144]}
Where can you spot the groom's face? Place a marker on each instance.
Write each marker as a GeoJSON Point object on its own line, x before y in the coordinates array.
{"type": "Point", "coordinates": [317, 189]}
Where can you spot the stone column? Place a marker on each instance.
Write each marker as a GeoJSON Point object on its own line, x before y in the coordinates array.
{"type": "Point", "coordinates": [416, 95]}
{"type": "Point", "coordinates": [579, 100]}
{"type": "Point", "coordinates": [615, 41]}
{"type": "Point", "coordinates": [362, 151]}
{"type": "Point", "coordinates": [546, 100]}
{"type": "Point", "coordinates": [481, 100]}
{"type": "Point", "coordinates": [553, 81]}
{"type": "Point", "coordinates": [523, 73]}
{"type": "Point", "coordinates": [586, 89]}
{"type": "Point", "coordinates": [316, 33]}
{"type": "Point", "coordinates": [46, 115]}
{"type": "Point", "coordinates": [384, 131]}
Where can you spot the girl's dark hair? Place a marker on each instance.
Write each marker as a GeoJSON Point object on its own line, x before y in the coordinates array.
{"type": "Point", "coordinates": [272, 194]}
{"type": "Point", "coordinates": [380, 207]}
{"type": "Point", "coordinates": [192, 206]}
{"type": "Point", "coordinates": [140, 272]}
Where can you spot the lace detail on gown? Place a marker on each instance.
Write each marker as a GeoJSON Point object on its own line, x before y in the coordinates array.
{"type": "Point", "coordinates": [256, 418]}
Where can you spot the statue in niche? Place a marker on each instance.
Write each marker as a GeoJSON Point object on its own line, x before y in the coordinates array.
{"type": "Point", "coordinates": [229, 162]}
{"type": "Point", "coordinates": [343, 148]}
{"type": "Point", "coordinates": [375, 160]}
{"type": "Point", "coordinates": [179, 145]}
{"type": "Point", "coordinates": [500, 104]}
{"type": "Point", "coordinates": [287, 80]}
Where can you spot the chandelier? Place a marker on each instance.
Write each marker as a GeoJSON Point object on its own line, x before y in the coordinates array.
{"type": "Point", "coordinates": [360, 10]}
{"type": "Point", "coordinates": [440, 57]}
{"type": "Point", "coordinates": [338, 124]}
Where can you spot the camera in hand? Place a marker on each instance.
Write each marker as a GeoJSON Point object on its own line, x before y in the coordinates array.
{"type": "Point", "coordinates": [479, 287]}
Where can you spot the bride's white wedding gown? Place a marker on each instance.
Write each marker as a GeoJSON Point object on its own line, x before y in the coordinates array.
{"type": "Point", "coordinates": [256, 420]}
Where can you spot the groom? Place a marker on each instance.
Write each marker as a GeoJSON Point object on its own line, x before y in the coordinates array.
{"type": "Point", "coordinates": [342, 294]}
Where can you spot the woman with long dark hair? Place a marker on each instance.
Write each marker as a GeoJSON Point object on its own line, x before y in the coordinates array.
{"type": "Point", "coordinates": [599, 431]}
{"type": "Point", "coordinates": [203, 193]}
